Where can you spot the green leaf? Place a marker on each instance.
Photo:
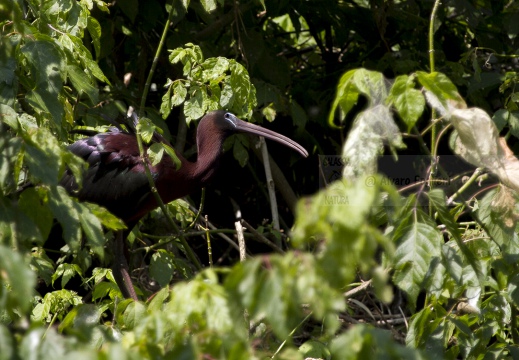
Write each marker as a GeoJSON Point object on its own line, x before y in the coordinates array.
{"type": "Point", "coordinates": [298, 114]}
{"type": "Point", "coordinates": [106, 218]}
{"type": "Point", "coordinates": [365, 342]}
{"type": "Point", "coordinates": [227, 95]}
{"type": "Point", "coordinates": [155, 152]}
{"type": "Point", "coordinates": [81, 317]}
{"type": "Point", "coordinates": [92, 228]}
{"type": "Point", "coordinates": [81, 82]}
{"type": "Point", "coordinates": [17, 281]}
{"type": "Point", "coordinates": [42, 264]}
{"type": "Point", "coordinates": [371, 84]}
{"type": "Point", "coordinates": [209, 5]}
{"type": "Point", "coordinates": [64, 210]}
{"type": "Point", "coordinates": [240, 152]}
{"type": "Point", "coordinates": [55, 303]}
{"type": "Point", "coordinates": [513, 120]}
{"type": "Point", "coordinates": [202, 304]}
{"type": "Point", "coordinates": [75, 46]}
{"type": "Point", "coordinates": [440, 87]}
{"type": "Point", "coordinates": [422, 326]}
{"type": "Point", "coordinates": [165, 105]}
{"type": "Point", "coordinates": [33, 203]}
{"type": "Point", "coordinates": [437, 198]}
{"type": "Point", "coordinates": [104, 289]}
{"type": "Point", "coordinates": [130, 8]}
{"type": "Point", "coordinates": [185, 3]}
{"type": "Point", "coordinates": [43, 156]}
{"type": "Point", "coordinates": [177, 55]}
{"type": "Point", "coordinates": [7, 344]}
{"type": "Point", "coordinates": [269, 112]}
{"type": "Point", "coordinates": [179, 94]}
{"type": "Point", "coordinates": [173, 155]}
{"type": "Point", "coordinates": [408, 101]}
{"type": "Point", "coordinates": [215, 68]}
{"type": "Point", "coordinates": [146, 128]}
{"type": "Point", "coordinates": [133, 315]}
{"type": "Point", "coordinates": [500, 119]}
{"type": "Point", "coordinates": [161, 267]}
{"type": "Point", "coordinates": [48, 70]}
{"type": "Point", "coordinates": [94, 29]}
{"type": "Point", "coordinates": [194, 106]}
{"type": "Point", "coordinates": [75, 164]}
{"type": "Point", "coordinates": [9, 116]}
{"type": "Point", "coordinates": [66, 272]}
{"type": "Point", "coordinates": [315, 350]}
{"type": "Point", "coordinates": [346, 97]}
{"type": "Point", "coordinates": [418, 245]}
{"type": "Point", "coordinates": [270, 292]}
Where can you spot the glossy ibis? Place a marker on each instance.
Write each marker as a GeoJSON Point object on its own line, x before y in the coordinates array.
{"type": "Point", "coordinates": [116, 179]}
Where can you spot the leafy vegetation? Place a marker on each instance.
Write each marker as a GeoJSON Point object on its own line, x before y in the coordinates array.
{"type": "Point", "coordinates": [399, 261]}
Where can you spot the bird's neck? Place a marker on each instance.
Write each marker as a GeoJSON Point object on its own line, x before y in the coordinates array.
{"type": "Point", "coordinates": [208, 159]}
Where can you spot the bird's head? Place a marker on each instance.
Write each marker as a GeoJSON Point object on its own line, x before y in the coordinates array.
{"type": "Point", "coordinates": [227, 123]}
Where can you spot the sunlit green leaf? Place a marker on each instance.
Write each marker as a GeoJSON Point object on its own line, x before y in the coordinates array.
{"type": "Point", "coordinates": [161, 267]}
{"type": "Point", "coordinates": [66, 272]}
{"type": "Point", "coordinates": [42, 264]}
{"type": "Point", "coordinates": [107, 219]}
{"type": "Point", "coordinates": [440, 86]}
{"type": "Point", "coordinates": [173, 155]}
{"type": "Point", "coordinates": [82, 83]}
{"type": "Point", "coordinates": [408, 101]}
{"type": "Point", "coordinates": [179, 94]}
{"type": "Point", "coordinates": [209, 5]}
{"type": "Point", "coordinates": [155, 152]}
{"type": "Point", "coordinates": [94, 29]}
{"type": "Point", "coordinates": [417, 247]}
{"type": "Point", "coordinates": [146, 128]}
{"type": "Point", "coordinates": [193, 107]}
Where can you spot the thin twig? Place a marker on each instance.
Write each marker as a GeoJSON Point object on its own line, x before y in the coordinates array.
{"type": "Point", "coordinates": [291, 333]}
{"type": "Point", "coordinates": [358, 289]}
{"type": "Point", "coordinates": [209, 247]}
{"type": "Point", "coordinates": [270, 184]}
{"type": "Point", "coordinates": [241, 240]}
{"type": "Point", "coordinates": [260, 237]}
{"type": "Point", "coordinates": [222, 235]}
{"type": "Point", "coordinates": [200, 209]}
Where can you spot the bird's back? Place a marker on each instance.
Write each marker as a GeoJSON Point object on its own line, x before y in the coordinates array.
{"type": "Point", "coordinates": [115, 178]}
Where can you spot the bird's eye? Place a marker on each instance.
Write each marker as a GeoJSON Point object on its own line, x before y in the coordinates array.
{"type": "Point", "coordinates": [230, 118]}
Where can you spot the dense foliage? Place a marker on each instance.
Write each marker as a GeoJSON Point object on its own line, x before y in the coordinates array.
{"type": "Point", "coordinates": [417, 260]}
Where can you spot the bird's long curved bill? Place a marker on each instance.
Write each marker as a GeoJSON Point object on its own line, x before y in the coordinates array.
{"type": "Point", "coordinates": [243, 126]}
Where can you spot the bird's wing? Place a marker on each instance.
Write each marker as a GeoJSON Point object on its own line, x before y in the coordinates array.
{"type": "Point", "coordinates": [115, 178]}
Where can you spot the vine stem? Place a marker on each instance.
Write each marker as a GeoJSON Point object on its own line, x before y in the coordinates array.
{"type": "Point", "coordinates": [465, 186]}
{"type": "Point", "coordinates": [431, 33]}
{"type": "Point", "coordinates": [432, 68]}
{"type": "Point", "coordinates": [189, 252]}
